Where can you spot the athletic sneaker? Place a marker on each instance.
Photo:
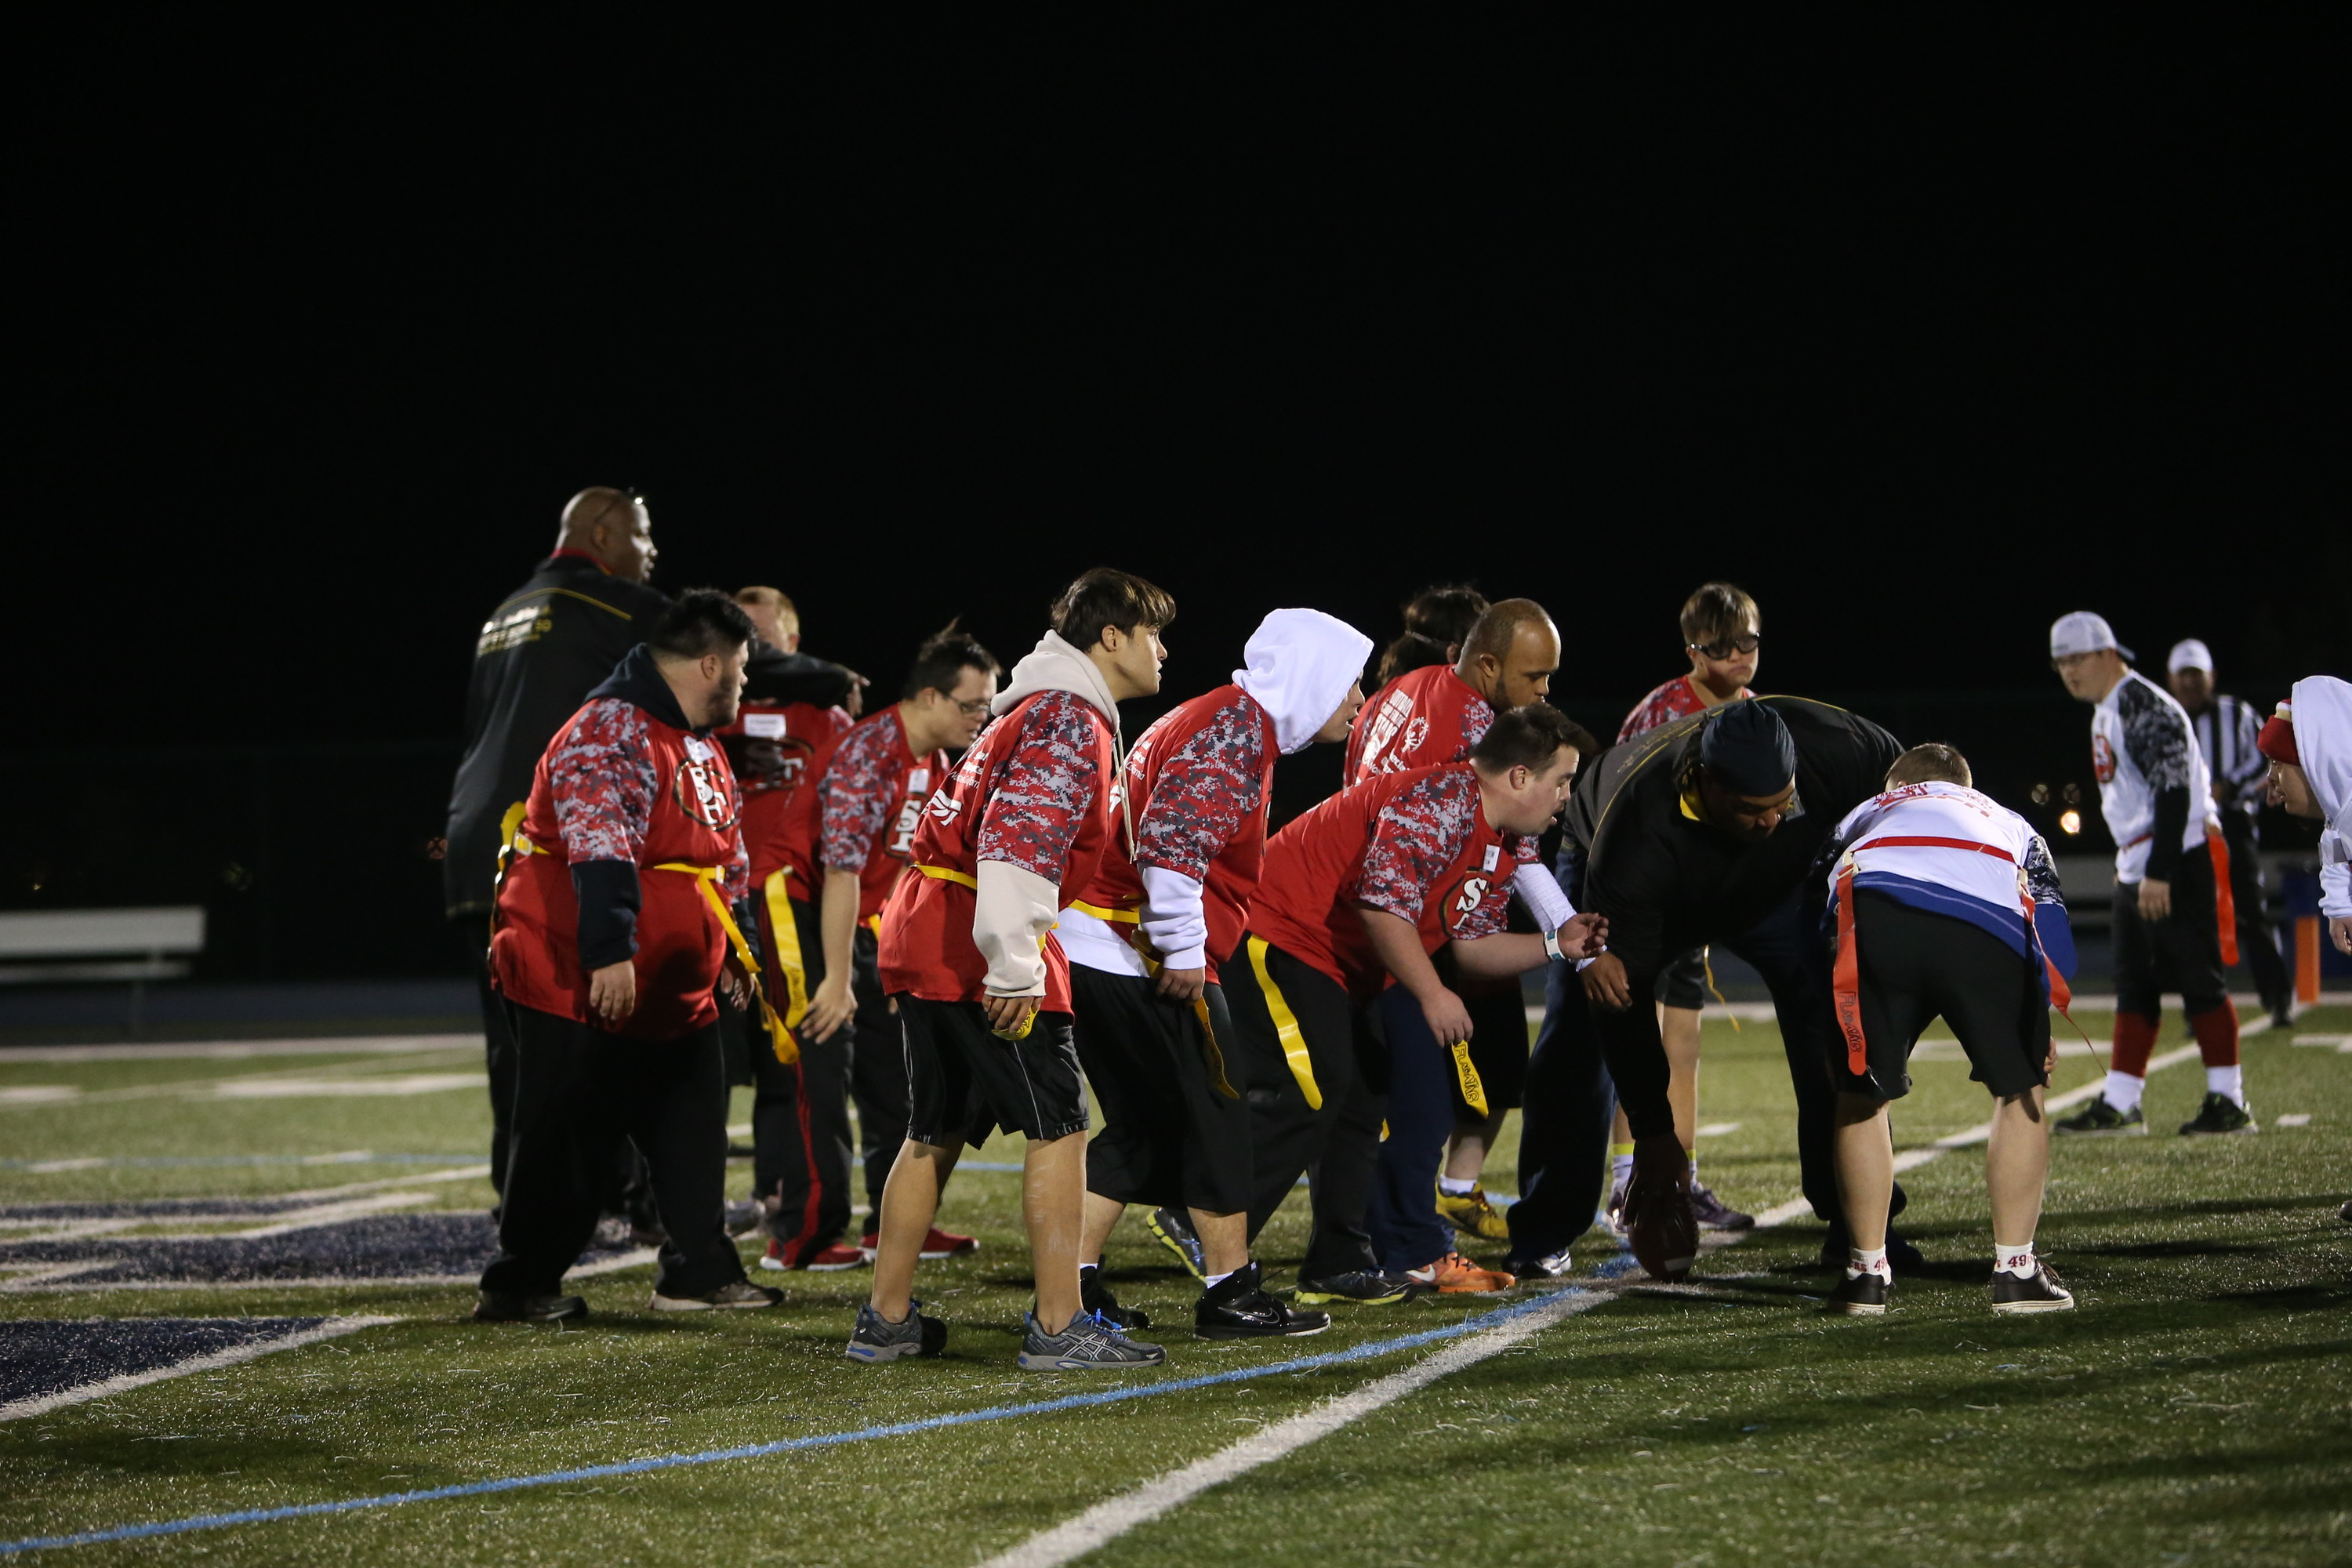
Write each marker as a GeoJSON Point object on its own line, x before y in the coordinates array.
{"type": "Point", "coordinates": [2100, 1118]}
{"type": "Point", "coordinates": [1713, 1213]}
{"type": "Point", "coordinates": [745, 1217]}
{"type": "Point", "coordinates": [1454, 1275]}
{"type": "Point", "coordinates": [937, 1244]}
{"type": "Point", "coordinates": [1364, 1287]}
{"type": "Point", "coordinates": [1089, 1344]}
{"type": "Point", "coordinates": [1238, 1308]}
{"type": "Point", "coordinates": [1613, 1213]}
{"type": "Point", "coordinates": [1173, 1228]}
{"type": "Point", "coordinates": [505, 1306]}
{"type": "Point", "coordinates": [2220, 1113]}
{"type": "Point", "coordinates": [740, 1293]}
{"type": "Point", "coordinates": [829, 1259]}
{"type": "Point", "coordinates": [1551, 1265]}
{"type": "Point", "coordinates": [1858, 1296]}
{"type": "Point", "coordinates": [1095, 1298]}
{"type": "Point", "coordinates": [1472, 1214]}
{"type": "Point", "coordinates": [2040, 1291]}
{"type": "Point", "coordinates": [876, 1338]}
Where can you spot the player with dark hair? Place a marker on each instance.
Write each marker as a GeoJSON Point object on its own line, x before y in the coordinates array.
{"type": "Point", "coordinates": [822, 877]}
{"type": "Point", "coordinates": [612, 928]}
{"type": "Point", "coordinates": [1722, 638]}
{"type": "Point", "coordinates": [1446, 1114]}
{"type": "Point", "coordinates": [967, 951]}
{"type": "Point", "coordinates": [1703, 830]}
{"type": "Point", "coordinates": [2175, 920]}
{"type": "Point", "coordinates": [1360, 892]}
{"type": "Point", "coordinates": [1144, 943]}
{"type": "Point", "coordinates": [1946, 904]}
{"type": "Point", "coordinates": [1437, 622]}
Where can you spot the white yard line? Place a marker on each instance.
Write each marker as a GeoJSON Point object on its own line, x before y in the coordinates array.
{"type": "Point", "coordinates": [237, 1051]}
{"type": "Point", "coordinates": [333, 1328]}
{"type": "Point", "coordinates": [1109, 1519]}
{"type": "Point", "coordinates": [328, 1213]}
{"type": "Point", "coordinates": [455, 1173]}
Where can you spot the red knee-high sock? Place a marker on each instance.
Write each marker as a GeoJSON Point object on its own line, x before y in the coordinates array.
{"type": "Point", "coordinates": [2217, 1035]}
{"type": "Point", "coordinates": [2134, 1039]}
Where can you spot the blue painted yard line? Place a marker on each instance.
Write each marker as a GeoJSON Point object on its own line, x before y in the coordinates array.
{"type": "Point", "coordinates": [787, 1446]}
{"type": "Point", "coordinates": [158, 1160]}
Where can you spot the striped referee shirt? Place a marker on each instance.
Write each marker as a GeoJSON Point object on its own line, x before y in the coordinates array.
{"type": "Point", "coordinates": [2225, 734]}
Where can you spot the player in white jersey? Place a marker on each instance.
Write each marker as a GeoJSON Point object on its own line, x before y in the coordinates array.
{"type": "Point", "coordinates": [2175, 919]}
{"type": "Point", "coordinates": [1946, 904]}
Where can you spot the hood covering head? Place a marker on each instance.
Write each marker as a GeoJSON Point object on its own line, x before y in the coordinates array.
{"type": "Point", "coordinates": [2321, 716]}
{"type": "Point", "coordinates": [1749, 750]}
{"type": "Point", "coordinates": [1057, 664]}
{"type": "Point", "coordinates": [1301, 663]}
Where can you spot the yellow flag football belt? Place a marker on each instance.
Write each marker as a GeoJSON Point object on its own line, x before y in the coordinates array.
{"type": "Point", "coordinates": [779, 1036]}
{"type": "Point", "coordinates": [1285, 1028]}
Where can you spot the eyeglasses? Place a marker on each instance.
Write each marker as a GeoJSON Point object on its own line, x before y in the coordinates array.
{"type": "Point", "coordinates": [1745, 643]}
{"type": "Point", "coordinates": [973, 709]}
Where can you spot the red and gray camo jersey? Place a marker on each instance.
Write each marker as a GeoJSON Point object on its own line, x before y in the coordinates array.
{"type": "Point", "coordinates": [1675, 699]}
{"type": "Point", "coordinates": [1421, 834]}
{"type": "Point", "coordinates": [1049, 782]}
{"type": "Point", "coordinates": [1203, 791]}
{"type": "Point", "coordinates": [863, 789]}
{"type": "Point", "coordinates": [603, 785]}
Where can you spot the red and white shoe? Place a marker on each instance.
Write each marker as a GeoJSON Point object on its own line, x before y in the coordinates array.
{"type": "Point", "coordinates": [939, 1244]}
{"type": "Point", "coordinates": [831, 1261]}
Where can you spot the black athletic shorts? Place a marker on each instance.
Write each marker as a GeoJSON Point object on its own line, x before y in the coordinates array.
{"type": "Point", "coordinates": [963, 1083]}
{"type": "Point", "coordinates": [1682, 983]}
{"type": "Point", "coordinates": [1914, 965]}
{"type": "Point", "coordinates": [1498, 1049]}
{"type": "Point", "coordinates": [1175, 1128]}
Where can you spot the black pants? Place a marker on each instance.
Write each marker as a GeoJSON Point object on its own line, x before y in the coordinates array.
{"type": "Point", "coordinates": [801, 1144]}
{"type": "Point", "coordinates": [472, 934]}
{"type": "Point", "coordinates": [1336, 1144]}
{"type": "Point", "coordinates": [2257, 940]}
{"type": "Point", "coordinates": [582, 1096]}
{"type": "Point", "coordinates": [2181, 952]}
{"type": "Point", "coordinates": [1564, 1124]}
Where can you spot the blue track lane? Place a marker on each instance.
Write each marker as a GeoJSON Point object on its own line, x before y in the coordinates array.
{"type": "Point", "coordinates": [789, 1446]}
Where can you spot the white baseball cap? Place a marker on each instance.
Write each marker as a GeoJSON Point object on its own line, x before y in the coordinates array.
{"type": "Point", "coordinates": [2189, 654]}
{"type": "Point", "coordinates": [2084, 631]}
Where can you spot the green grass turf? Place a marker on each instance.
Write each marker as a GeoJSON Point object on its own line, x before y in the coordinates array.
{"type": "Point", "coordinates": [2195, 1409]}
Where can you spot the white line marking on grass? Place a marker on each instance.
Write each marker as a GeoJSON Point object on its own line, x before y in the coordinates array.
{"type": "Point", "coordinates": [38, 1094]}
{"type": "Point", "coordinates": [1108, 1521]}
{"type": "Point", "coordinates": [329, 1213]}
{"type": "Point", "coordinates": [2292, 1118]}
{"type": "Point", "coordinates": [333, 1328]}
{"type": "Point", "coordinates": [342, 1087]}
{"type": "Point", "coordinates": [237, 1051]}
{"type": "Point", "coordinates": [461, 1173]}
{"type": "Point", "coordinates": [1717, 1130]}
{"type": "Point", "coordinates": [2331, 1040]}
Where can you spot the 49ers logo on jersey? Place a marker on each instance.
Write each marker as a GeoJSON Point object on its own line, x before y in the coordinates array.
{"type": "Point", "coordinates": [2103, 759]}
{"type": "Point", "coordinates": [701, 794]}
{"type": "Point", "coordinates": [1464, 900]}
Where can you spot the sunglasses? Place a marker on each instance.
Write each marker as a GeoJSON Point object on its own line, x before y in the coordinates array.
{"type": "Point", "coordinates": [1745, 643]}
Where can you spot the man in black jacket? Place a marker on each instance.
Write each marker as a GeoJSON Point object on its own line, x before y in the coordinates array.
{"type": "Point", "coordinates": [1701, 830]}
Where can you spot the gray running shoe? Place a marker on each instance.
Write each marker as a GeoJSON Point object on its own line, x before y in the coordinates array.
{"type": "Point", "coordinates": [1090, 1345]}
{"type": "Point", "coordinates": [740, 1293]}
{"type": "Point", "coordinates": [1364, 1287]}
{"type": "Point", "coordinates": [876, 1338]}
{"type": "Point", "coordinates": [1714, 1214]}
{"type": "Point", "coordinates": [2220, 1113]}
{"type": "Point", "coordinates": [2100, 1119]}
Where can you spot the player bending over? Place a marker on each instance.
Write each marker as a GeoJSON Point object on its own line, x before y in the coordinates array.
{"type": "Point", "coordinates": [1945, 903]}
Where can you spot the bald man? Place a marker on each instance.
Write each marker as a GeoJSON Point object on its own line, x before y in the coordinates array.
{"type": "Point", "coordinates": [539, 653]}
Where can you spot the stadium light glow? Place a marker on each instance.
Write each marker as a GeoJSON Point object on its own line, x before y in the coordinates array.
{"type": "Point", "coordinates": [2070, 821]}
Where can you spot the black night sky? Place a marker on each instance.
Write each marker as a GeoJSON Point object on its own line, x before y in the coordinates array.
{"type": "Point", "coordinates": [1924, 338]}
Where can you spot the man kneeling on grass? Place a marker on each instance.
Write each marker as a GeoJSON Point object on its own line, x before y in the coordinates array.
{"type": "Point", "coordinates": [1946, 904]}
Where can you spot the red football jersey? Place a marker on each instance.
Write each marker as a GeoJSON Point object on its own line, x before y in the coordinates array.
{"type": "Point", "coordinates": [1033, 791]}
{"type": "Point", "coordinates": [798, 729]}
{"type": "Point", "coordinates": [1415, 845]}
{"type": "Point", "coordinates": [1422, 719]}
{"type": "Point", "coordinates": [855, 810]}
{"type": "Point", "coordinates": [1677, 699]}
{"type": "Point", "coordinates": [1198, 782]}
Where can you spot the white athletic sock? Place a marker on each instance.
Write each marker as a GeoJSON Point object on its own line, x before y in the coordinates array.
{"type": "Point", "coordinates": [1620, 1167]}
{"type": "Point", "coordinates": [1456, 1189]}
{"type": "Point", "coordinates": [2230, 1080]}
{"type": "Point", "coordinates": [1693, 1169]}
{"type": "Point", "coordinates": [1214, 1280]}
{"type": "Point", "coordinates": [1859, 1261]}
{"type": "Point", "coordinates": [2121, 1090]}
{"type": "Point", "coordinates": [2017, 1260]}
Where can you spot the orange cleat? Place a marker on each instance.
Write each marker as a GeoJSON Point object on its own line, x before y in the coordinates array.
{"type": "Point", "coordinates": [1454, 1275]}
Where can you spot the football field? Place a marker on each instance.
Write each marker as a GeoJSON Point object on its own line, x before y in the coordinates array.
{"type": "Point", "coordinates": [233, 1292]}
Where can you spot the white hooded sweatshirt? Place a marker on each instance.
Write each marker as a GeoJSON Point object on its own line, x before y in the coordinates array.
{"type": "Point", "coordinates": [2321, 712]}
{"type": "Point", "coordinates": [1014, 908]}
{"type": "Point", "coordinates": [1300, 663]}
